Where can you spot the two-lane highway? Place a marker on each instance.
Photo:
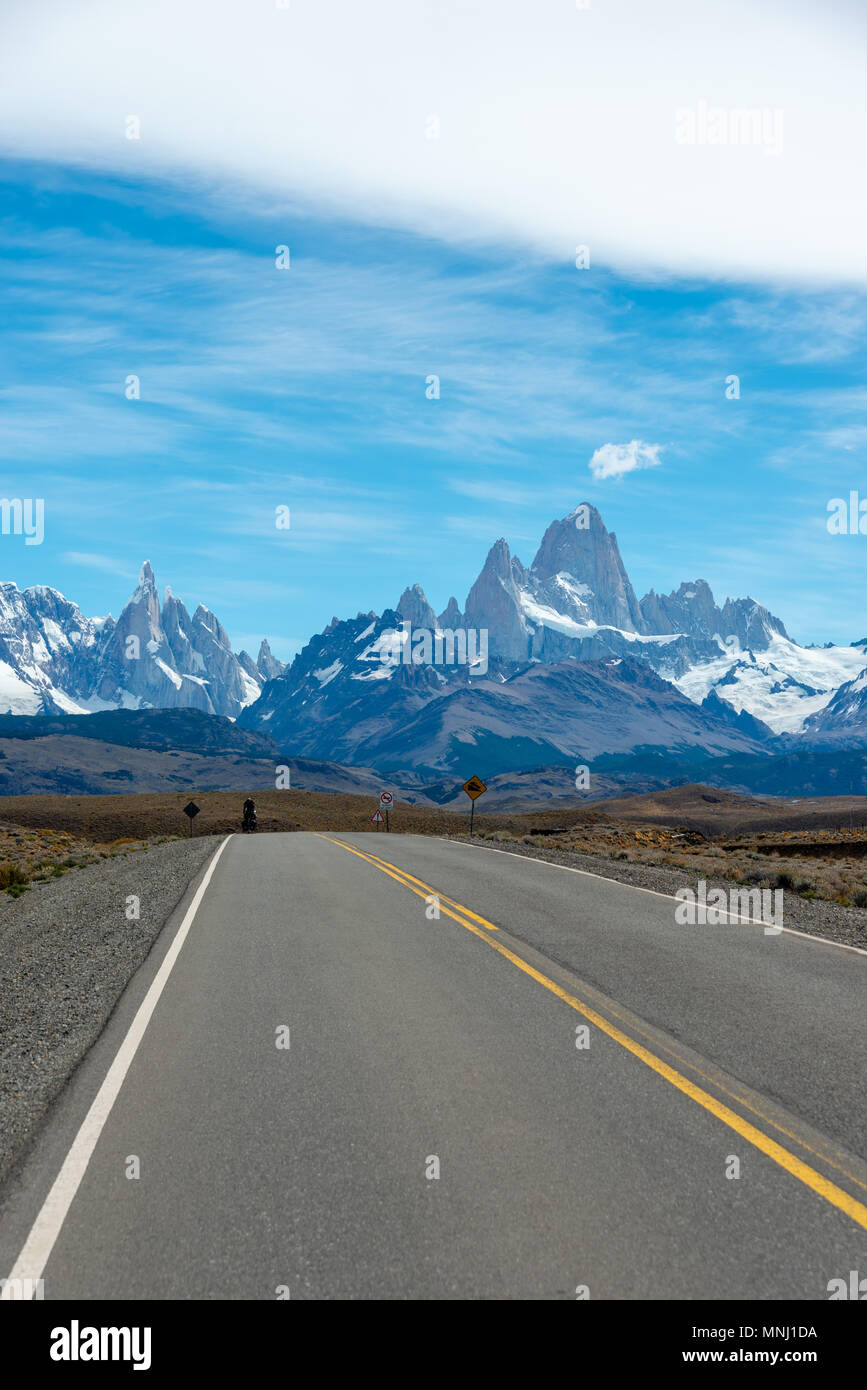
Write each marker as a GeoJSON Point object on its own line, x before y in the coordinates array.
{"type": "Point", "coordinates": [347, 1090]}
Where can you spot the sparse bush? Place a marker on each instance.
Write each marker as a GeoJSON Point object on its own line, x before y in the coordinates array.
{"type": "Point", "coordinates": [12, 878]}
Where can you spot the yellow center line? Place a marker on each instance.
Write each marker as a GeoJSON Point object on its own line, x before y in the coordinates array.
{"type": "Point", "coordinates": [793, 1165]}
{"type": "Point", "coordinates": [402, 876]}
{"type": "Point", "coordinates": [408, 880]}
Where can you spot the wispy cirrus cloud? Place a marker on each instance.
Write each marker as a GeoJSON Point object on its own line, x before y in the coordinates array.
{"type": "Point", "coordinates": [307, 389]}
{"type": "Point", "coordinates": [95, 561]}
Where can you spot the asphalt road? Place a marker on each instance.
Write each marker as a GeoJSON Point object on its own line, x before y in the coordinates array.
{"type": "Point", "coordinates": [420, 1045]}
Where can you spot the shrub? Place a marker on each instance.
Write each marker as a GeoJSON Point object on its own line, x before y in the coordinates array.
{"type": "Point", "coordinates": [12, 877]}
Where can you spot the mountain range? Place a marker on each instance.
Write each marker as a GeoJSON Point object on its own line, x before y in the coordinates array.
{"type": "Point", "coordinates": [54, 660]}
{"type": "Point", "coordinates": [574, 668]}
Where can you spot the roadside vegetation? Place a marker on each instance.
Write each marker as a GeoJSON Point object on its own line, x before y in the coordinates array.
{"type": "Point", "coordinates": [32, 855]}
{"type": "Point", "coordinates": [827, 865]}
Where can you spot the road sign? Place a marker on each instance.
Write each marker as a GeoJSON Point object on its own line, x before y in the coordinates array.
{"type": "Point", "coordinates": [475, 787]}
{"type": "Point", "coordinates": [191, 809]}
{"type": "Point", "coordinates": [386, 799]}
{"type": "Point", "coordinates": [377, 818]}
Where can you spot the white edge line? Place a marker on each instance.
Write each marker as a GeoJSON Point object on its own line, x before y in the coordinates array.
{"type": "Point", "coordinates": [636, 888]}
{"type": "Point", "coordinates": [34, 1256]}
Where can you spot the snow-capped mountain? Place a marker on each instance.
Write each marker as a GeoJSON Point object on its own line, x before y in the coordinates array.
{"type": "Point", "coordinates": [344, 692]}
{"type": "Point", "coordinates": [576, 666]}
{"type": "Point", "coordinates": [47, 650]}
{"type": "Point", "coordinates": [55, 660]}
{"type": "Point", "coordinates": [784, 685]}
{"type": "Point", "coordinates": [576, 600]}
{"type": "Point", "coordinates": [844, 718]}
{"type": "Point", "coordinates": [573, 666]}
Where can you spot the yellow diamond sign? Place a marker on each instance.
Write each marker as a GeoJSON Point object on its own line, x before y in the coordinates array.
{"type": "Point", "coordinates": [475, 787]}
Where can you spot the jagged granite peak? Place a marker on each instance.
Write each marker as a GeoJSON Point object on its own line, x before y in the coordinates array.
{"type": "Point", "coordinates": [494, 604]}
{"type": "Point", "coordinates": [54, 660]}
{"type": "Point", "coordinates": [246, 662]}
{"type": "Point", "coordinates": [267, 664]}
{"type": "Point", "coordinates": [414, 607]}
{"type": "Point", "coordinates": [208, 621]}
{"type": "Point", "coordinates": [451, 616]}
{"type": "Point", "coordinates": [576, 585]}
{"type": "Point", "coordinates": [136, 665]}
{"type": "Point", "coordinates": [691, 609]}
{"type": "Point", "coordinates": [236, 686]}
{"type": "Point", "coordinates": [177, 626]}
{"type": "Point", "coordinates": [751, 623]}
{"type": "Point", "coordinates": [579, 547]}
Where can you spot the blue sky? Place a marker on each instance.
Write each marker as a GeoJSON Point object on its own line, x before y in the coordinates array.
{"type": "Point", "coordinates": [306, 388]}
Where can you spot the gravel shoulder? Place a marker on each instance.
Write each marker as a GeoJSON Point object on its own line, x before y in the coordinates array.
{"type": "Point", "coordinates": [67, 952]}
{"type": "Point", "coordinates": [846, 925]}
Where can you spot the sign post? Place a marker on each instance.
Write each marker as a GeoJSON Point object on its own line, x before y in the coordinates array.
{"type": "Point", "coordinates": [386, 799]}
{"type": "Point", "coordinates": [377, 819]}
{"type": "Point", "coordinates": [474, 788]}
{"type": "Point", "coordinates": [191, 810]}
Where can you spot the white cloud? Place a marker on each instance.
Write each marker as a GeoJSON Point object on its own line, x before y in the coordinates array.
{"type": "Point", "coordinates": [613, 460]}
{"type": "Point", "coordinates": [557, 125]}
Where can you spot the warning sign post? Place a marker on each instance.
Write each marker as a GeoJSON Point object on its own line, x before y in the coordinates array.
{"type": "Point", "coordinates": [474, 788]}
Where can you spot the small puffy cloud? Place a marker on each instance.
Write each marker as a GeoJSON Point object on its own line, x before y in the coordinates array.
{"type": "Point", "coordinates": [613, 460]}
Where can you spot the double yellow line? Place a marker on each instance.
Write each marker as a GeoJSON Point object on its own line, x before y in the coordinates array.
{"type": "Point", "coordinates": [480, 926]}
